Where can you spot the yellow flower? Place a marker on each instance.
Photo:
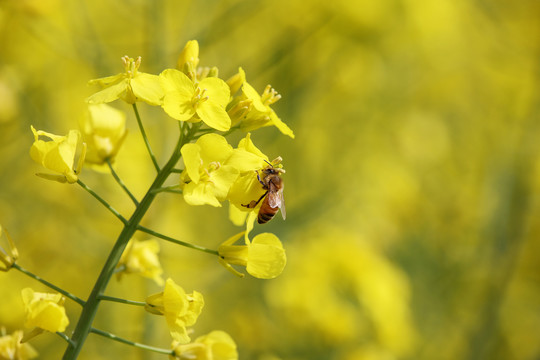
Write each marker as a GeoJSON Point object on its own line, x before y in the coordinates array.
{"type": "Point", "coordinates": [58, 154]}
{"type": "Point", "coordinates": [264, 257]}
{"type": "Point", "coordinates": [140, 257]}
{"type": "Point", "coordinates": [8, 258]}
{"type": "Point", "coordinates": [186, 100]}
{"type": "Point", "coordinates": [11, 347]}
{"type": "Point", "coordinates": [130, 86]}
{"type": "Point", "coordinates": [217, 345]}
{"type": "Point", "coordinates": [44, 310]}
{"type": "Point", "coordinates": [236, 81]}
{"type": "Point", "coordinates": [207, 178]}
{"type": "Point", "coordinates": [180, 309]}
{"type": "Point", "coordinates": [189, 59]}
{"type": "Point", "coordinates": [251, 110]}
{"type": "Point", "coordinates": [103, 130]}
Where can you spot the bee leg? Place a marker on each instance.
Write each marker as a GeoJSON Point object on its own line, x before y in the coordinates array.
{"type": "Point", "coordinates": [262, 183]}
{"type": "Point", "coordinates": [254, 203]}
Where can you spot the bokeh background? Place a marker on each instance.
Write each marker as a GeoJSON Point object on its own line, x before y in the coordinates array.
{"type": "Point", "coordinates": [411, 187]}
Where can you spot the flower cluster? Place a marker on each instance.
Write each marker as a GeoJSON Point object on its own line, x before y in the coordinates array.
{"type": "Point", "coordinates": [182, 310]}
{"type": "Point", "coordinates": [11, 347]}
{"type": "Point", "coordinates": [209, 170]}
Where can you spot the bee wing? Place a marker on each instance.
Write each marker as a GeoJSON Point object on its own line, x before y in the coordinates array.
{"type": "Point", "coordinates": [282, 201]}
{"type": "Point", "coordinates": [275, 199]}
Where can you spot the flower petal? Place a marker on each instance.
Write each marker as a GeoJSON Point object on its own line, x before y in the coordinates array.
{"type": "Point", "coordinates": [109, 94]}
{"type": "Point", "coordinates": [214, 147]}
{"type": "Point", "coordinates": [223, 178]}
{"type": "Point", "coordinates": [217, 90]}
{"type": "Point", "coordinates": [200, 194]}
{"type": "Point", "coordinates": [214, 115]}
{"type": "Point", "coordinates": [253, 95]}
{"type": "Point", "coordinates": [266, 258]}
{"type": "Point", "coordinates": [147, 88]}
{"type": "Point", "coordinates": [192, 160]}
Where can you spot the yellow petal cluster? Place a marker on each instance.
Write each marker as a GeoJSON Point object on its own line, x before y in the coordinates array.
{"type": "Point", "coordinates": [216, 345]}
{"type": "Point", "coordinates": [44, 310]}
{"type": "Point", "coordinates": [180, 309]}
{"type": "Point", "coordinates": [103, 130]}
{"type": "Point", "coordinates": [188, 100]}
{"type": "Point", "coordinates": [130, 86]}
{"type": "Point", "coordinates": [141, 257]}
{"type": "Point", "coordinates": [207, 177]}
{"type": "Point", "coordinates": [11, 347]}
{"type": "Point", "coordinates": [189, 59]}
{"type": "Point", "coordinates": [58, 154]}
{"type": "Point", "coordinates": [264, 257]}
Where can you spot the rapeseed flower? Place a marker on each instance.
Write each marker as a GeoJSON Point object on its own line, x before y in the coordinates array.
{"type": "Point", "coordinates": [44, 311]}
{"type": "Point", "coordinates": [180, 309]}
{"type": "Point", "coordinates": [207, 178]}
{"type": "Point", "coordinates": [141, 257]}
{"type": "Point", "coordinates": [58, 154]}
{"type": "Point", "coordinates": [217, 345]}
{"type": "Point", "coordinates": [130, 86]}
{"type": "Point", "coordinates": [263, 257]}
{"type": "Point", "coordinates": [189, 59]}
{"type": "Point", "coordinates": [11, 347]}
{"type": "Point", "coordinates": [252, 110]}
{"type": "Point", "coordinates": [103, 130]}
{"type": "Point", "coordinates": [189, 100]}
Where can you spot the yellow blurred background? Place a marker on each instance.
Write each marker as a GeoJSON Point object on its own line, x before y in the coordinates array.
{"type": "Point", "coordinates": [411, 187]}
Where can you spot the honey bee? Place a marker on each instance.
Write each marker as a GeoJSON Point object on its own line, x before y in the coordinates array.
{"type": "Point", "coordinates": [273, 197]}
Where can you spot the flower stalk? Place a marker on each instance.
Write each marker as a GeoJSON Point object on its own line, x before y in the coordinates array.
{"type": "Point", "coordinates": [132, 343]}
{"type": "Point", "coordinates": [50, 285]}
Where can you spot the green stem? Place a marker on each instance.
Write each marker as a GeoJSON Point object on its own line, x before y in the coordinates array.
{"type": "Point", "coordinates": [172, 188]}
{"type": "Point", "coordinates": [121, 183]}
{"type": "Point", "coordinates": [132, 343]}
{"type": "Point", "coordinates": [179, 242]}
{"type": "Point", "coordinates": [145, 138]}
{"type": "Point", "coordinates": [122, 301]}
{"type": "Point", "coordinates": [65, 337]}
{"type": "Point", "coordinates": [52, 286]}
{"type": "Point", "coordinates": [101, 200]}
{"type": "Point", "coordinates": [89, 311]}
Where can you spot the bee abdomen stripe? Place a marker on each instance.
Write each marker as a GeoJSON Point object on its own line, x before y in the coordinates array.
{"type": "Point", "coordinates": [263, 218]}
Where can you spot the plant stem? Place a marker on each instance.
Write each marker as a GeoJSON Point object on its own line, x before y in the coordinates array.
{"type": "Point", "coordinates": [101, 200]}
{"type": "Point", "coordinates": [52, 286]}
{"type": "Point", "coordinates": [121, 183]}
{"type": "Point", "coordinates": [132, 343]}
{"type": "Point", "coordinates": [122, 301]}
{"type": "Point", "coordinates": [172, 188]}
{"type": "Point", "coordinates": [65, 337]}
{"type": "Point", "coordinates": [145, 138]}
{"type": "Point", "coordinates": [179, 242]}
{"type": "Point", "coordinates": [89, 311]}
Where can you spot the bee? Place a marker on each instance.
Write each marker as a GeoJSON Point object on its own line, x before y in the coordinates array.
{"type": "Point", "coordinates": [273, 197]}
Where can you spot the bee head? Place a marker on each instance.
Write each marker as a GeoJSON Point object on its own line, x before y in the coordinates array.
{"type": "Point", "coordinates": [271, 169]}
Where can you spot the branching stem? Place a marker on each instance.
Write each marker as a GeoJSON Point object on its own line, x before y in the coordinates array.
{"type": "Point", "coordinates": [121, 183]}
{"type": "Point", "coordinates": [132, 343]}
{"type": "Point", "coordinates": [52, 286]}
